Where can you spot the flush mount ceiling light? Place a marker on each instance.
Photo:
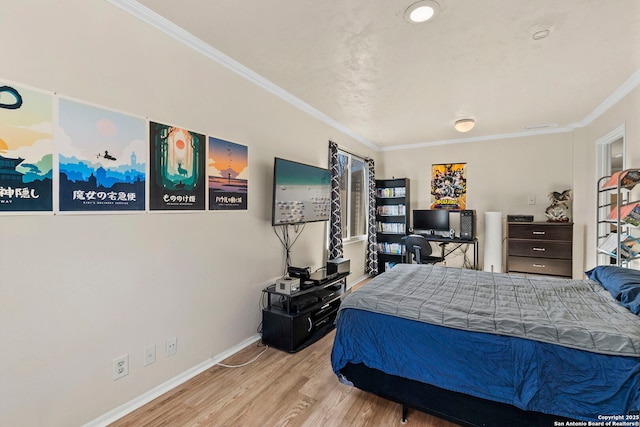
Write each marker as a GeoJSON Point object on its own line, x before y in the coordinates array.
{"type": "Point", "coordinates": [541, 30]}
{"type": "Point", "coordinates": [464, 125]}
{"type": "Point", "coordinates": [422, 11]}
{"type": "Point", "coordinates": [541, 34]}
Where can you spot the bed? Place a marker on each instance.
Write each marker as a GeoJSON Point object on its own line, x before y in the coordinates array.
{"type": "Point", "coordinates": [495, 349]}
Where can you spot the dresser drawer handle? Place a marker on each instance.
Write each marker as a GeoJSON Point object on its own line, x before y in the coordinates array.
{"type": "Point", "coordinates": [539, 265]}
{"type": "Point", "coordinates": [538, 249]}
{"type": "Point", "coordinates": [540, 232]}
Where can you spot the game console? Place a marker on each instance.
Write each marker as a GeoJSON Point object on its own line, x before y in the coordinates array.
{"type": "Point", "coordinates": [300, 272]}
{"type": "Point", "coordinates": [321, 277]}
{"type": "Point", "coordinates": [287, 285]}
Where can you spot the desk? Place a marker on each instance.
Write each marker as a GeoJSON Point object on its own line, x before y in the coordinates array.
{"type": "Point", "coordinates": [457, 242]}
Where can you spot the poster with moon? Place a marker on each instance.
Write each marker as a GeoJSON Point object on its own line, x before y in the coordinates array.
{"type": "Point", "coordinates": [176, 168]}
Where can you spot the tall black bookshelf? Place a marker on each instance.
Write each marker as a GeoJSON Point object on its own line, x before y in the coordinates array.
{"type": "Point", "coordinates": [392, 220]}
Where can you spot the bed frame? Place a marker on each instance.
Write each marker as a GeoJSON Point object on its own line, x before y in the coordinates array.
{"type": "Point", "coordinates": [452, 406]}
{"type": "Point", "coordinates": [402, 305]}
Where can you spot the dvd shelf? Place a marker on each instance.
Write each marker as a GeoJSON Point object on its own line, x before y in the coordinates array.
{"type": "Point", "coordinates": [392, 220]}
{"type": "Point", "coordinates": [392, 227]}
{"type": "Point", "coordinates": [391, 210]}
{"type": "Point", "coordinates": [618, 217]}
{"type": "Point", "coordinates": [392, 192]}
{"type": "Point", "coordinates": [387, 248]}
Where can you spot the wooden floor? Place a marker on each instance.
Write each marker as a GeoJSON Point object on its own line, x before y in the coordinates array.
{"type": "Point", "coordinates": [278, 389]}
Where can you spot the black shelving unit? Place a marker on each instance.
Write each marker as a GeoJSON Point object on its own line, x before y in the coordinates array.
{"type": "Point", "coordinates": [293, 322]}
{"type": "Point", "coordinates": [392, 220]}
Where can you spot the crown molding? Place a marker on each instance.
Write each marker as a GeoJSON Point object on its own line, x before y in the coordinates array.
{"type": "Point", "coordinates": [159, 22]}
{"type": "Point", "coordinates": [623, 90]}
{"type": "Point", "coordinates": [479, 138]}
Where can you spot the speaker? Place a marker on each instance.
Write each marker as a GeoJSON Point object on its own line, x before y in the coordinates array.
{"type": "Point", "coordinates": [467, 224]}
{"type": "Point", "coordinates": [338, 266]}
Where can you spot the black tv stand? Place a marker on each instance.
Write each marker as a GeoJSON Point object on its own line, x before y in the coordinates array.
{"type": "Point", "coordinates": [293, 322]}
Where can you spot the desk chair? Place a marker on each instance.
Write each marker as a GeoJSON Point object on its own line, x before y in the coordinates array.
{"type": "Point", "coordinates": [421, 249]}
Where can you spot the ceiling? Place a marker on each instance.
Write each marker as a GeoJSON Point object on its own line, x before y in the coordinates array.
{"type": "Point", "coordinates": [360, 66]}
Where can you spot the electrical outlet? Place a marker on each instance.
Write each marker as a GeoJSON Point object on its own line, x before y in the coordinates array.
{"type": "Point", "coordinates": [120, 367]}
{"type": "Point", "coordinates": [531, 200]}
{"type": "Point", "coordinates": [149, 355]}
{"type": "Point", "coordinates": [172, 346]}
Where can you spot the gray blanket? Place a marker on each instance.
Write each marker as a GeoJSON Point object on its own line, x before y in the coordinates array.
{"type": "Point", "coordinates": [579, 314]}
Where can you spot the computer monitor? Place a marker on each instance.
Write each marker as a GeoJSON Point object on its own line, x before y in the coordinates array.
{"type": "Point", "coordinates": [431, 220]}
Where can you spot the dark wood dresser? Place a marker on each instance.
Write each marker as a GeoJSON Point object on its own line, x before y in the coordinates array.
{"type": "Point", "coordinates": [540, 248]}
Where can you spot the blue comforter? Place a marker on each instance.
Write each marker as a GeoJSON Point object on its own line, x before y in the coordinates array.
{"type": "Point", "coordinates": [528, 374]}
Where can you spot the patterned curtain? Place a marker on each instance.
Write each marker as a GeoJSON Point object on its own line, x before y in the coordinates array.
{"type": "Point", "coordinates": [372, 247]}
{"type": "Point", "coordinates": [335, 232]}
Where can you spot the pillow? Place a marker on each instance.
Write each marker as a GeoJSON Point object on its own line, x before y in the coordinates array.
{"type": "Point", "coordinates": [622, 283]}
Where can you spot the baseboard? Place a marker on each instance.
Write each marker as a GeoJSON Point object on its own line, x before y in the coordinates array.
{"type": "Point", "coordinates": [360, 279]}
{"type": "Point", "coordinates": [147, 397]}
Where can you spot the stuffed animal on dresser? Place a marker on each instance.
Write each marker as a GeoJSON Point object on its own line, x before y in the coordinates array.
{"type": "Point", "coordinates": [558, 211]}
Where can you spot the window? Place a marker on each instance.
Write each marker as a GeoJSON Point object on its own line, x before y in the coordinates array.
{"type": "Point", "coordinates": [353, 195]}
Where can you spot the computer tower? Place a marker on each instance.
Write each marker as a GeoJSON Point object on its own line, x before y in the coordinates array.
{"type": "Point", "coordinates": [467, 224]}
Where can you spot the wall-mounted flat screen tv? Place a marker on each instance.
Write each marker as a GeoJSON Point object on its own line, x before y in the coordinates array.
{"type": "Point", "coordinates": [301, 193]}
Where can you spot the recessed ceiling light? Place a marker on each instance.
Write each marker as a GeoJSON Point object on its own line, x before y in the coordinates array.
{"type": "Point", "coordinates": [464, 125]}
{"type": "Point", "coordinates": [422, 11]}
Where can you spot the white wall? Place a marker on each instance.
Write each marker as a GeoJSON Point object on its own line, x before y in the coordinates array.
{"type": "Point", "coordinates": [79, 290]}
{"type": "Point", "coordinates": [626, 112]}
{"type": "Point", "coordinates": [501, 175]}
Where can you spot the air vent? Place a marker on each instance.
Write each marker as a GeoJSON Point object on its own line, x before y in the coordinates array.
{"type": "Point", "coordinates": [544, 126]}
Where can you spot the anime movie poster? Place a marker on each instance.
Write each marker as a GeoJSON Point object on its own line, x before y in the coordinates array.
{"type": "Point", "coordinates": [26, 149]}
{"type": "Point", "coordinates": [449, 186]}
{"type": "Point", "coordinates": [228, 175]}
{"type": "Point", "coordinates": [177, 168]}
{"type": "Point", "coordinates": [102, 159]}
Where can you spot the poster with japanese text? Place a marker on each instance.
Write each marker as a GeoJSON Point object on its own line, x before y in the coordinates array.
{"type": "Point", "coordinates": [449, 186]}
{"type": "Point", "coordinates": [102, 159]}
{"type": "Point", "coordinates": [26, 149]}
{"type": "Point", "coordinates": [228, 175]}
{"type": "Point", "coordinates": [177, 168]}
